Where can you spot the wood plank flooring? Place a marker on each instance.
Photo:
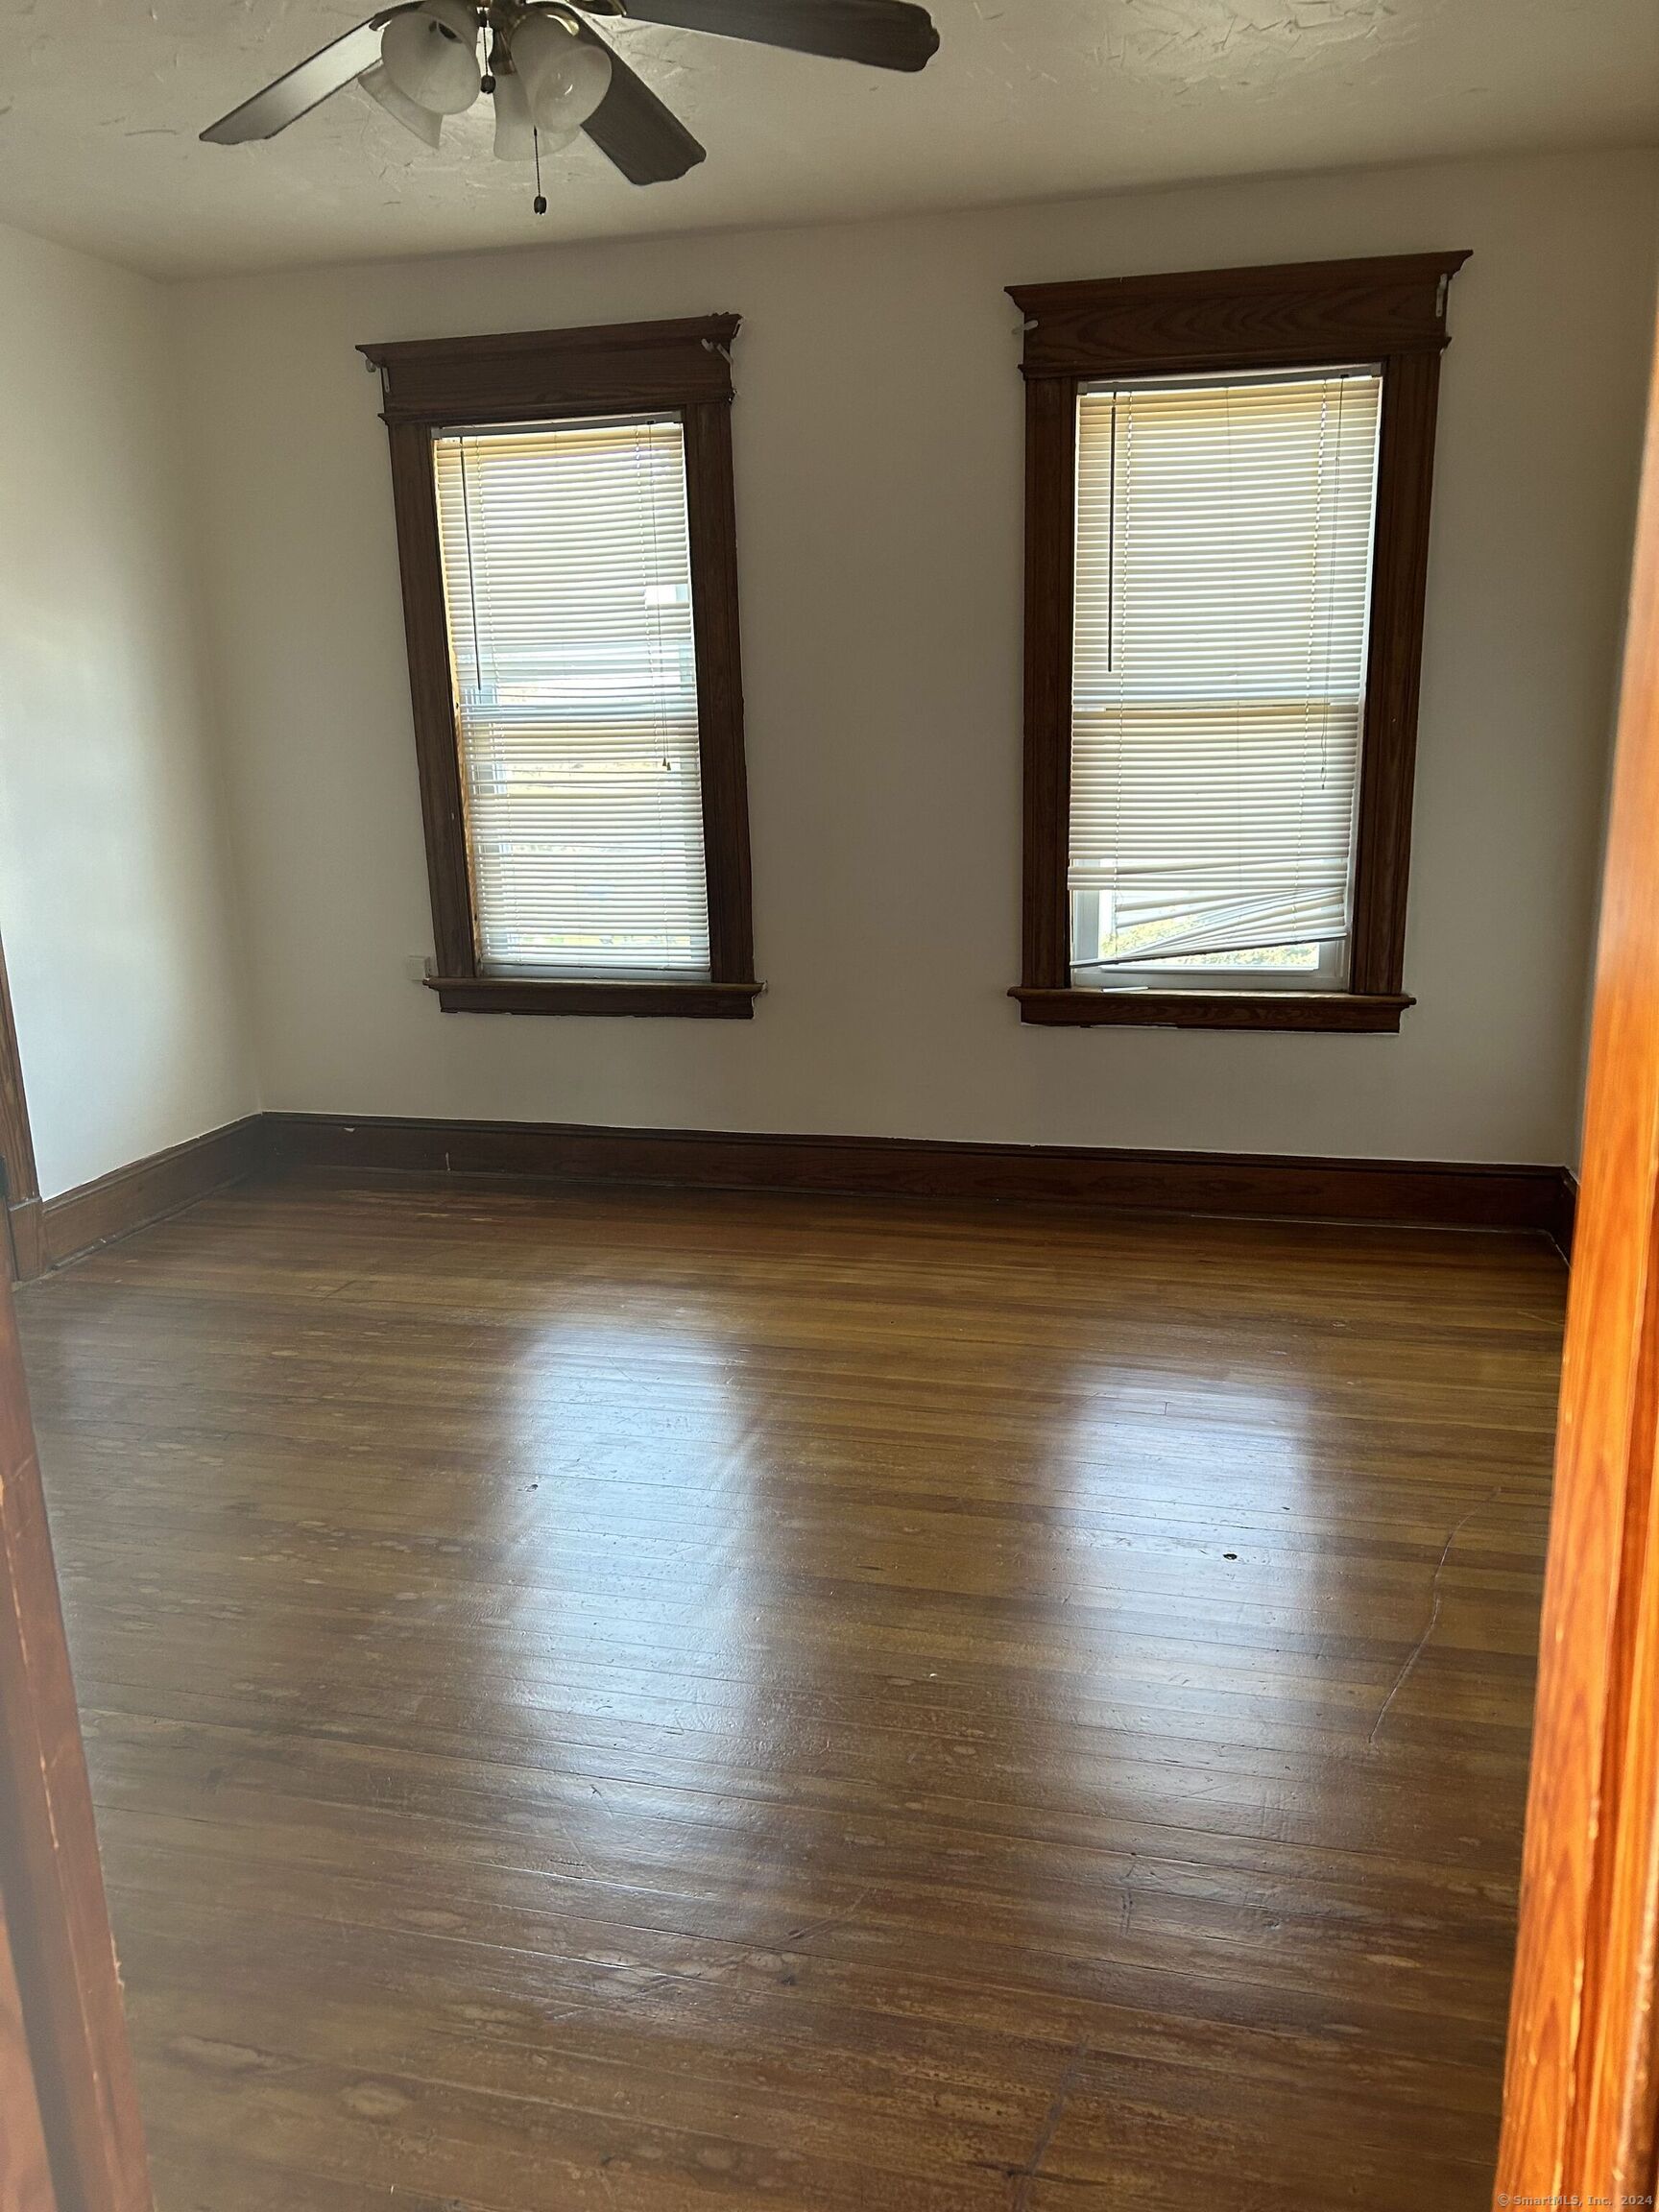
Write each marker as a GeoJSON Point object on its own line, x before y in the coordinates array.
{"type": "Point", "coordinates": [642, 1702]}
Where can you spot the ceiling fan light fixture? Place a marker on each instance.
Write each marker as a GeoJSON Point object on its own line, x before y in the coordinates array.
{"type": "Point", "coordinates": [430, 55]}
{"type": "Point", "coordinates": [564, 78]}
{"type": "Point", "coordinates": [419, 59]}
{"type": "Point", "coordinates": [426, 127]}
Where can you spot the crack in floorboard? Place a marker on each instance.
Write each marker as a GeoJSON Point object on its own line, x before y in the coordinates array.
{"type": "Point", "coordinates": [1422, 1644]}
{"type": "Point", "coordinates": [1027, 2174]}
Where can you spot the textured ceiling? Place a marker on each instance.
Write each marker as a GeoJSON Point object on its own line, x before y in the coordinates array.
{"type": "Point", "coordinates": [101, 102]}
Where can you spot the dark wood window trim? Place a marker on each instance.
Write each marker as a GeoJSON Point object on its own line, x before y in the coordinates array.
{"type": "Point", "coordinates": [1309, 315]}
{"type": "Point", "coordinates": [538, 375]}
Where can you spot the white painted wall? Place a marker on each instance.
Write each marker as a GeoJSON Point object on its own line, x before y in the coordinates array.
{"type": "Point", "coordinates": [114, 910]}
{"type": "Point", "coordinates": [879, 454]}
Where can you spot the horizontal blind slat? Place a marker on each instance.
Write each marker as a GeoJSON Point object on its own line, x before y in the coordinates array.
{"type": "Point", "coordinates": [1223, 562]}
{"type": "Point", "coordinates": [568, 586]}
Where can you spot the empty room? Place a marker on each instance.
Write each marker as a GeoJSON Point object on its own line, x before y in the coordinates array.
{"type": "Point", "coordinates": [828, 1106]}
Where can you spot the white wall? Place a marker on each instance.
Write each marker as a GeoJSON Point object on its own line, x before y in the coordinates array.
{"type": "Point", "coordinates": [114, 910]}
{"type": "Point", "coordinates": [878, 428]}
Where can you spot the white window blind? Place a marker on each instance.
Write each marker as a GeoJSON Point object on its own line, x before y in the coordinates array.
{"type": "Point", "coordinates": [1224, 537]}
{"type": "Point", "coordinates": [567, 581]}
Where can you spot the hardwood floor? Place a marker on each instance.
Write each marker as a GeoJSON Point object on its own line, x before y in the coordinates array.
{"type": "Point", "coordinates": [623, 1701]}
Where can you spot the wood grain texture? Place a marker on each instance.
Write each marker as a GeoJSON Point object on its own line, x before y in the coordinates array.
{"type": "Point", "coordinates": [711, 532]}
{"type": "Point", "coordinates": [57, 1923]}
{"type": "Point", "coordinates": [20, 1248]}
{"type": "Point", "coordinates": [1580, 2094]}
{"type": "Point", "coordinates": [25, 2174]}
{"type": "Point", "coordinates": [432, 699]}
{"type": "Point", "coordinates": [683, 367]}
{"type": "Point", "coordinates": [49, 1232]}
{"type": "Point", "coordinates": [880, 33]}
{"type": "Point", "coordinates": [1567, 1226]}
{"type": "Point", "coordinates": [1451, 1194]}
{"type": "Point", "coordinates": [1393, 671]}
{"type": "Point", "coordinates": [1344, 1010]}
{"type": "Point", "coordinates": [27, 1243]}
{"type": "Point", "coordinates": [536, 995]}
{"type": "Point", "coordinates": [640, 1701]}
{"type": "Point", "coordinates": [1311, 314]}
{"type": "Point", "coordinates": [1051, 584]}
{"type": "Point", "coordinates": [1448, 1195]}
{"type": "Point", "coordinates": [498, 377]}
{"type": "Point", "coordinates": [16, 1139]}
{"type": "Point", "coordinates": [631, 127]}
{"type": "Point", "coordinates": [1287, 315]}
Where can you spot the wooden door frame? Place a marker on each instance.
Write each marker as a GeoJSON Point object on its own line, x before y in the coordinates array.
{"type": "Point", "coordinates": [51, 1882]}
{"type": "Point", "coordinates": [25, 2166]}
{"type": "Point", "coordinates": [19, 1178]}
{"type": "Point", "coordinates": [1580, 2104]}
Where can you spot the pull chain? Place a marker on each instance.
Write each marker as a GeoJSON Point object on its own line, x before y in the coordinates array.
{"type": "Point", "coordinates": [539, 204]}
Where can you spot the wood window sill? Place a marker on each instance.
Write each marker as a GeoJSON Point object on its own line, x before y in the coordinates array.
{"type": "Point", "coordinates": [531, 995]}
{"type": "Point", "coordinates": [1349, 1011]}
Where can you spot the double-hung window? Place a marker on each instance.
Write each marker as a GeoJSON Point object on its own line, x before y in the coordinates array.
{"type": "Point", "coordinates": [1228, 484]}
{"type": "Point", "coordinates": [565, 521]}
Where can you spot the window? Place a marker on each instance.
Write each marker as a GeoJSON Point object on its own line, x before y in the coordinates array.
{"type": "Point", "coordinates": [1218, 676]}
{"type": "Point", "coordinates": [565, 516]}
{"type": "Point", "coordinates": [568, 586]}
{"type": "Point", "coordinates": [1227, 527]}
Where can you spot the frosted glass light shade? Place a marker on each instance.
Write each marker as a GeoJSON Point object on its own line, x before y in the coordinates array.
{"type": "Point", "coordinates": [564, 78]}
{"type": "Point", "coordinates": [426, 127]}
{"type": "Point", "coordinates": [430, 55]}
{"type": "Point", "coordinates": [514, 133]}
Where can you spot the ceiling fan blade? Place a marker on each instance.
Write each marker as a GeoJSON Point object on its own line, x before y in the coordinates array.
{"type": "Point", "coordinates": [647, 141]}
{"type": "Point", "coordinates": [885, 34]}
{"type": "Point", "coordinates": [327, 72]}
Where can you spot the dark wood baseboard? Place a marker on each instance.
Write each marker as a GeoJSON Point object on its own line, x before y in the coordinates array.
{"type": "Point", "coordinates": [1415, 1194]}
{"type": "Point", "coordinates": [45, 1232]}
{"type": "Point", "coordinates": [1354, 1011]}
{"type": "Point", "coordinates": [1423, 1194]}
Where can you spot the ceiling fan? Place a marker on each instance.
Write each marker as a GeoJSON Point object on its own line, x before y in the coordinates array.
{"type": "Point", "coordinates": [551, 75]}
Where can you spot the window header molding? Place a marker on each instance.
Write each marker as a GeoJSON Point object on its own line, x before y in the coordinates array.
{"type": "Point", "coordinates": [1290, 314]}
{"type": "Point", "coordinates": [524, 375]}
